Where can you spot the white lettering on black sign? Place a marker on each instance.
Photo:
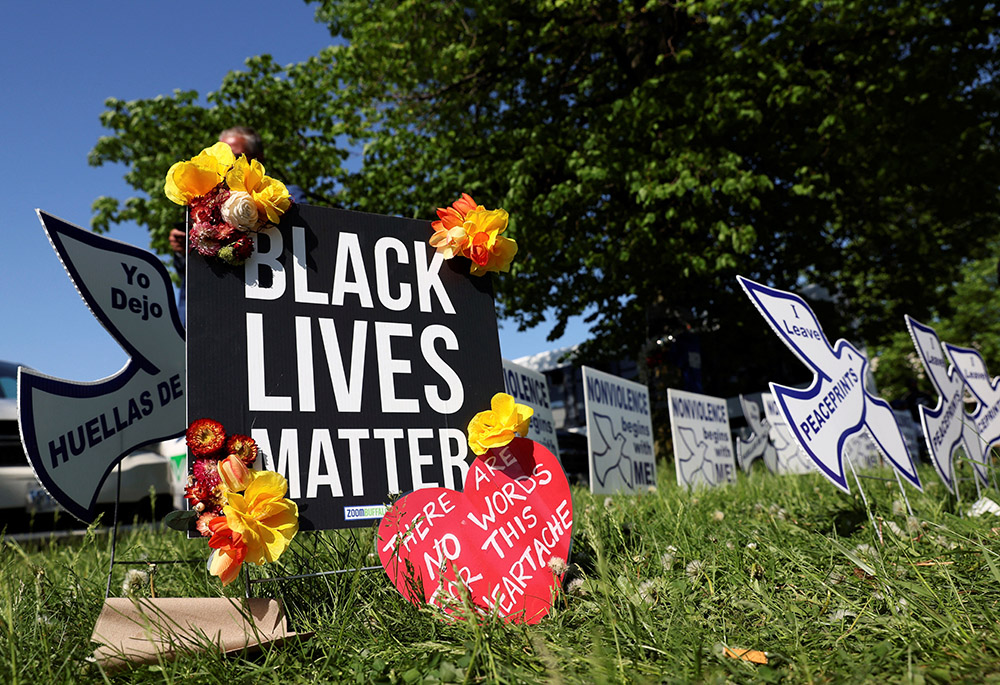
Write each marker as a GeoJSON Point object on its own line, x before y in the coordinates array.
{"type": "Point", "coordinates": [351, 352]}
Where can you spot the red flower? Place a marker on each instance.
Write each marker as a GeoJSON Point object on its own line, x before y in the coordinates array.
{"type": "Point", "coordinates": [244, 447]}
{"type": "Point", "coordinates": [204, 497]}
{"type": "Point", "coordinates": [205, 437]}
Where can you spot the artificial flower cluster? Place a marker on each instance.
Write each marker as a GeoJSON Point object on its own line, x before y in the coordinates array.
{"type": "Point", "coordinates": [497, 427]}
{"type": "Point", "coordinates": [229, 198]}
{"type": "Point", "coordinates": [469, 230]}
{"type": "Point", "coordinates": [244, 513]}
{"type": "Point", "coordinates": [210, 446]}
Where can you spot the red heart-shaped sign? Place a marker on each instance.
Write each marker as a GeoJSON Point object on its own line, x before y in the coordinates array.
{"type": "Point", "coordinates": [492, 543]}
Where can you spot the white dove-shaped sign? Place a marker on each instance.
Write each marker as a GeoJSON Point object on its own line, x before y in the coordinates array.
{"type": "Point", "coordinates": [758, 444]}
{"type": "Point", "coordinates": [945, 425]}
{"type": "Point", "coordinates": [836, 404]}
{"type": "Point", "coordinates": [75, 433]}
{"type": "Point", "coordinates": [986, 417]}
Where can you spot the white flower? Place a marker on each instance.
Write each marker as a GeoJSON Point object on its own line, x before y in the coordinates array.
{"type": "Point", "coordinates": [557, 566]}
{"type": "Point", "coordinates": [694, 569]}
{"type": "Point", "coordinates": [135, 581]}
{"type": "Point", "coordinates": [898, 508]}
{"type": "Point", "coordinates": [864, 550]}
{"type": "Point", "coordinates": [651, 488]}
{"type": "Point", "coordinates": [647, 589]}
{"type": "Point", "coordinates": [667, 559]}
{"type": "Point", "coordinates": [751, 545]}
{"type": "Point", "coordinates": [608, 502]}
{"type": "Point", "coordinates": [913, 524]}
{"type": "Point", "coordinates": [718, 516]}
{"type": "Point", "coordinates": [841, 615]}
{"type": "Point", "coordinates": [576, 588]}
{"type": "Point", "coordinates": [240, 211]}
{"type": "Point", "coordinates": [896, 530]}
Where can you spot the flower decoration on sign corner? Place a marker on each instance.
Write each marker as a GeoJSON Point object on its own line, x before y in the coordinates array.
{"type": "Point", "coordinates": [243, 512]}
{"type": "Point", "coordinates": [229, 197]}
{"type": "Point", "coordinates": [467, 229]}
{"type": "Point", "coordinates": [497, 426]}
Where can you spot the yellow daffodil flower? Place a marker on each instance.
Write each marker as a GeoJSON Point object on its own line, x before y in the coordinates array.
{"type": "Point", "coordinates": [498, 426]}
{"type": "Point", "coordinates": [488, 250]}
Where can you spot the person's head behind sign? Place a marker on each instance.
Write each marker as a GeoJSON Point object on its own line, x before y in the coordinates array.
{"type": "Point", "coordinates": [243, 140]}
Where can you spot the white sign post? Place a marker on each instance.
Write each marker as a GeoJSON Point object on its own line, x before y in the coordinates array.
{"type": "Point", "coordinates": [945, 426]}
{"type": "Point", "coordinates": [75, 433]}
{"type": "Point", "coordinates": [531, 388]}
{"type": "Point", "coordinates": [703, 447]}
{"type": "Point", "coordinates": [619, 433]}
{"type": "Point", "coordinates": [836, 405]}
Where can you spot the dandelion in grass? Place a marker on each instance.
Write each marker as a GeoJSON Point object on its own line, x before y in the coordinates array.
{"type": "Point", "coordinates": [913, 524]}
{"type": "Point", "coordinates": [647, 591]}
{"type": "Point", "coordinates": [576, 588]}
{"type": "Point", "coordinates": [894, 529]}
{"type": "Point", "coordinates": [668, 557]}
{"type": "Point", "coordinates": [841, 615]}
{"type": "Point", "coordinates": [730, 545]}
{"type": "Point", "coordinates": [694, 570]}
{"type": "Point", "coordinates": [651, 489]}
{"type": "Point", "coordinates": [135, 582]}
{"type": "Point", "coordinates": [751, 545]}
{"type": "Point", "coordinates": [942, 541]}
{"type": "Point", "coordinates": [718, 515]}
{"type": "Point", "coordinates": [557, 566]}
{"type": "Point", "coordinates": [898, 508]}
{"type": "Point", "coordinates": [608, 502]}
{"type": "Point", "coordinates": [866, 551]}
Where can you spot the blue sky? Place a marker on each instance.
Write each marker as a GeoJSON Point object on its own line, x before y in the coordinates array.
{"type": "Point", "coordinates": [59, 61]}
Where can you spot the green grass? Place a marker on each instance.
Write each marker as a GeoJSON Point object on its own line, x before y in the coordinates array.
{"type": "Point", "coordinates": [661, 583]}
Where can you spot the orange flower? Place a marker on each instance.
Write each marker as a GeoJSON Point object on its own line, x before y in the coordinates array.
{"type": "Point", "coordinates": [472, 231]}
{"type": "Point", "coordinates": [449, 237]}
{"type": "Point", "coordinates": [230, 550]}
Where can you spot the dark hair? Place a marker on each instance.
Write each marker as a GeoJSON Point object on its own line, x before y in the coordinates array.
{"type": "Point", "coordinates": [252, 140]}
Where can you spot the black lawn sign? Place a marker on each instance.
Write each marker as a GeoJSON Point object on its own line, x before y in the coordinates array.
{"type": "Point", "coordinates": [351, 352]}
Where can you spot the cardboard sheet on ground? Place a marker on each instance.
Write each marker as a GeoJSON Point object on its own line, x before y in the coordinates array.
{"type": "Point", "coordinates": [351, 352]}
{"type": "Point", "coordinates": [986, 416]}
{"type": "Point", "coordinates": [531, 388]}
{"type": "Point", "coordinates": [619, 433]}
{"type": "Point", "coordinates": [703, 445]}
{"type": "Point", "coordinates": [75, 433]}
{"type": "Point", "coordinates": [490, 544]}
{"type": "Point", "coordinates": [144, 631]}
{"type": "Point", "coordinates": [836, 405]}
{"type": "Point", "coordinates": [946, 428]}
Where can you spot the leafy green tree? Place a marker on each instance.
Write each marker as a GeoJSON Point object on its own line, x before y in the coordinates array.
{"type": "Point", "coordinates": [647, 151]}
{"type": "Point", "coordinates": [974, 321]}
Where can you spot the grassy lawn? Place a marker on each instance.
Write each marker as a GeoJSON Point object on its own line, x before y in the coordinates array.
{"type": "Point", "coordinates": [661, 583]}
